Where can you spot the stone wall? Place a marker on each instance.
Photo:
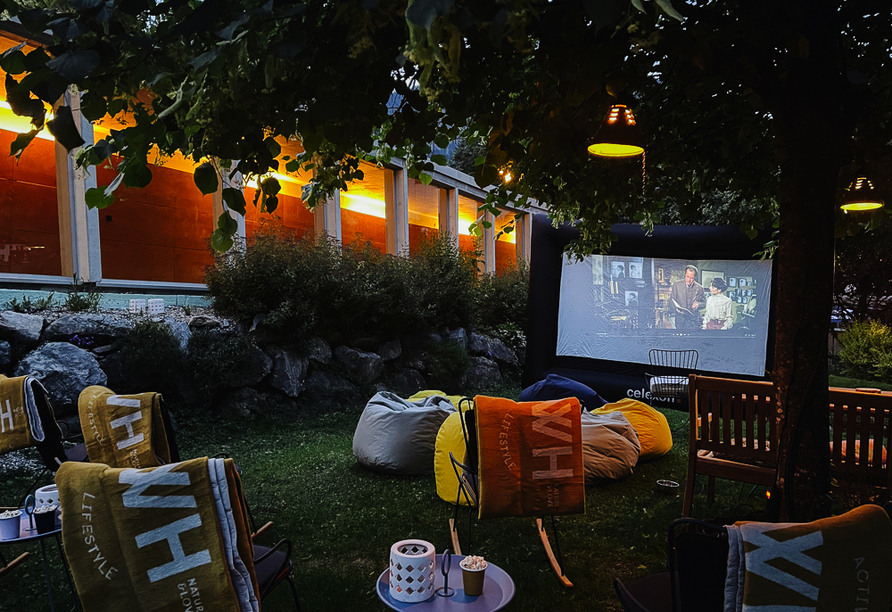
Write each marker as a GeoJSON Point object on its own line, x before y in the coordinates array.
{"type": "Point", "coordinates": [70, 351]}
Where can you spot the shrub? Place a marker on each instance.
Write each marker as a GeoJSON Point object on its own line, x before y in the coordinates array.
{"type": "Point", "coordinates": [447, 282]}
{"type": "Point", "coordinates": [28, 306]}
{"type": "Point", "coordinates": [866, 351]}
{"type": "Point", "coordinates": [501, 302]}
{"type": "Point", "coordinates": [153, 351]}
{"type": "Point", "coordinates": [212, 358]}
{"type": "Point", "coordinates": [446, 364]}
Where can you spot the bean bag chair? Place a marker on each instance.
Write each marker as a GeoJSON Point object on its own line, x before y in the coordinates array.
{"type": "Point", "coordinates": [650, 425]}
{"type": "Point", "coordinates": [455, 399]}
{"type": "Point", "coordinates": [558, 387]}
{"type": "Point", "coordinates": [610, 446]}
{"type": "Point", "coordinates": [397, 436]}
{"type": "Point", "coordinates": [449, 439]}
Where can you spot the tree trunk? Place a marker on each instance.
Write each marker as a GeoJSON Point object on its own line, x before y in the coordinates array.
{"type": "Point", "coordinates": [811, 136]}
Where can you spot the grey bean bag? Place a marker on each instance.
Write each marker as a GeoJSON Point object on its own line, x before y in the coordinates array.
{"type": "Point", "coordinates": [610, 446]}
{"type": "Point", "coordinates": [398, 436]}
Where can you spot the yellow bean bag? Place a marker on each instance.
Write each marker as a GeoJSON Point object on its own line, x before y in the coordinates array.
{"type": "Point", "coordinates": [455, 399]}
{"type": "Point", "coordinates": [650, 425]}
{"type": "Point", "coordinates": [449, 439]}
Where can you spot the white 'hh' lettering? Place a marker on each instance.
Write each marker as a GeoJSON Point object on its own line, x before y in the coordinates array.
{"type": "Point", "coordinates": [544, 418]}
{"type": "Point", "coordinates": [134, 498]}
{"type": "Point", "coordinates": [793, 550]}
{"type": "Point", "coordinates": [181, 561]}
{"type": "Point", "coordinates": [552, 471]}
{"type": "Point", "coordinates": [126, 421]}
{"type": "Point", "coordinates": [6, 416]}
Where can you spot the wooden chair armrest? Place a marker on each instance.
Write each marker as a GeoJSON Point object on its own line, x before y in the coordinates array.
{"type": "Point", "coordinates": [14, 562]}
{"type": "Point", "coordinates": [261, 530]}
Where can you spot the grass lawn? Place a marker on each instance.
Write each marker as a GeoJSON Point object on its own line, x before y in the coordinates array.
{"type": "Point", "coordinates": [342, 518]}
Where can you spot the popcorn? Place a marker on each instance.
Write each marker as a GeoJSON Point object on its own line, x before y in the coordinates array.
{"type": "Point", "coordinates": [45, 509]}
{"type": "Point", "coordinates": [473, 562]}
{"type": "Point", "coordinates": [10, 514]}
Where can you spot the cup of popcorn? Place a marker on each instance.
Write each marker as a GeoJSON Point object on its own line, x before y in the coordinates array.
{"type": "Point", "coordinates": [9, 524]}
{"type": "Point", "coordinates": [473, 572]}
{"type": "Point", "coordinates": [45, 518]}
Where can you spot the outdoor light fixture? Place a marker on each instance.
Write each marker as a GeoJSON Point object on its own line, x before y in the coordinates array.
{"type": "Point", "coordinates": [861, 195]}
{"type": "Point", "coordinates": [618, 136]}
{"type": "Point", "coordinates": [505, 174]}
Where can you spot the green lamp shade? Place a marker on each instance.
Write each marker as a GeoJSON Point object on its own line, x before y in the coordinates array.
{"type": "Point", "coordinates": [618, 136]}
{"type": "Point", "coordinates": [861, 196]}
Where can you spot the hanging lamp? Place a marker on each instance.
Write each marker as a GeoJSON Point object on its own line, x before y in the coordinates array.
{"type": "Point", "coordinates": [619, 135]}
{"type": "Point", "coordinates": [861, 196]}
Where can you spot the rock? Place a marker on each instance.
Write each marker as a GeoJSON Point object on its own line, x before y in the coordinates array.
{"type": "Point", "coordinates": [364, 367]}
{"type": "Point", "coordinates": [203, 321]}
{"type": "Point", "coordinates": [105, 349]}
{"type": "Point", "coordinates": [328, 391]}
{"type": "Point", "coordinates": [65, 370]}
{"type": "Point", "coordinates": [181, 330]}
{"type": "Point", "coordinates": [390, 350]}
{"type": "Point", "coordinates": [404, 382]}
{"type": "Point", "coordinates": [458, 336]}
{"type": "Point", "coordinates": [24, 328]}
{"type": "Point", "coordinates": [521, 355]}
{"type": "Point", "coordinates": [289, 370]}
{"type": "Point", "coordinates": [5, 353]}
{"type": "Point", "coordinates": [86, 325]}
{"type": "Point", "coordinates": [481, 374]}
{"type": "Point", "coordinates": [424, 340]}
{"type": "Point", "coordinates": [260, 366]}
{"type": "Point", "coordinates": [493, 349]}
{"type": "Point", "coordinates": [318, 350]}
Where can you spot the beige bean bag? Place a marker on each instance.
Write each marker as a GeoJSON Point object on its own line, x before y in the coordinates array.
{"type": "Point", "coordinates": [650, 425]}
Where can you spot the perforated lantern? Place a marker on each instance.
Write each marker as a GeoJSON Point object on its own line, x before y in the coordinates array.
{"type": "Point", "coordinates": [619, 135]}
{"type": "Point", "coordinates": [412, 565]}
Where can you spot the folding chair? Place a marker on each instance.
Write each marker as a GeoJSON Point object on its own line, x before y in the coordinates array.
{"type": "Point", "coordinates": [668, 379]}
{"type": "Point", "coordinates": [467, 473]}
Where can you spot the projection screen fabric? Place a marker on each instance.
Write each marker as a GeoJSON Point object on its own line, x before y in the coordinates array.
{"type": "Point", "coordinates": [617, 308]}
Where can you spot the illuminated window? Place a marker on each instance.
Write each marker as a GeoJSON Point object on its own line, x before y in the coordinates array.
{"type": "Point", "coordinates": [363, 210]}
{"type": "Point", "coordinates": [290, 215]}
{"type": "Point", "coordinates": [467, 215]}
{"type": "Point", "coordinates": [29, 210]}
{"type": "Point", "coordinates": [506, 253]}
{"type": "Point", "coordinates": [424, 213]}
{"type": "Point", "coordinates": [159, 232]}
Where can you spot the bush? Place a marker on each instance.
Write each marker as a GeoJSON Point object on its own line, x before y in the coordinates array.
{"type": "Point", "coordinates": [312, 287]}
{"type": "Point", "coordinates": [152, 350]}
{"type": "Point", "coordinates": [29, 306]}
{"type": "Point", "coordinates": [501, 302]}
{"type": "Point", "coordinates": [212, 358]}
{"type": "Point", "coordinates": [866, 351]}
{"type": "Point", "coordinates": [446, 364]}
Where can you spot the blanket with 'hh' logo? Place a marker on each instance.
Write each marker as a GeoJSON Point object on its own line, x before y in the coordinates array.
{"type": "Point", "coordinates": [828, 565]}
{"type": "Point", "coordinates": [530, 457]}
{"type": "Point", "coordinates": [170, 538]}
{"type": "Point", "coordinates": [26, 416]}
{"type": "Point", "coordinates": [123, 430]}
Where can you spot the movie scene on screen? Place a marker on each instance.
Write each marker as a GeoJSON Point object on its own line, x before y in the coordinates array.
{"type": "Point", "coordinates": [618, 308]}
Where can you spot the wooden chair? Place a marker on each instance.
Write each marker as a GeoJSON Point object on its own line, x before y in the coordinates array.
{"type": "Point", "coordinates": [733, 433]}
{"type": "Point", "coordinates": [861, 434]}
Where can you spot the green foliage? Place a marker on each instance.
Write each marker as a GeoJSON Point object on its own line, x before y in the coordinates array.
{"type": "Point", "coordinates": [28, 306]}
{"type": "Point", "coordinates": [502, 300]}
{"type": "Point", "coordinates": [152, 350]}
{"type": "Point", "coordinates": [310, 287]}
{"type": "Point", "coordinates": [78, 301]}
{"type": "Point", "coordinates": [867, 350]}
{"type": "Point", "coordinates": [466, 154]}
{"type": "Point", "coordinates": [446, 364]}
{"type": "Point", "coordinates": [212, 358]}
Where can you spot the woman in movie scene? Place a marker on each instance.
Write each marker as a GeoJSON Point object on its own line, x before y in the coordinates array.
{"type": "Point", "coordinates": [719, 312]}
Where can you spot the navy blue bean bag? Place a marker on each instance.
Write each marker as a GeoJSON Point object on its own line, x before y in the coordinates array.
{"type": "Point", "coordinates": [559, 387]}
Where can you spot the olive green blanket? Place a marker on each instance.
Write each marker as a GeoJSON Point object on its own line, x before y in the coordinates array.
{"type": "Point", "coordinates": [169, 538]}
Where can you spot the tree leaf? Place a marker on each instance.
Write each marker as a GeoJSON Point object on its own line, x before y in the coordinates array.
{"type": "Point", "coordinates": [221, 241]}
{"type": "Point", "coordinates": [93, 106]}
{"type": "Point", "coordinates": [205, 177]}
{"type": "Point", "coordinates": [425, 178]}
{"type": "Point", "coordinates": [667, 7]}
{"type": "Point", "coordinates": [137, 175]}
{"type": "Point", "coordinates": [75, 65]}
{"type": "Point", "coordinates": [421, 13]}
{"type": "Point", "coordinates": [439, 159]}
{"type": "Point", "coordinates": [227, 224]}
{"type": "Point", "coordinates": [638, 5]}
{"type": "Point", "coordinates": [63, 128]}
{"type": "Point", "coordinates": [235, 200]}
{"type": "Point", "coordinates": [97, 198]}
{"type": "Point", "coordinates": [67, 28]}
{"type": "Point", "coordinates": [84, 5]}
{"type": "Point", "coordinates": [22, 104]}
{"type": "Point", "coordinates": [204, 59]}
{"type": "Point", "coordinates": [21, 142]}
{"type": "Point", "coordinates": [13, 60]}
{"type": "Point", "coordinates": [271, 204]}
{"type": "Point", "coordinates": [270, 186]}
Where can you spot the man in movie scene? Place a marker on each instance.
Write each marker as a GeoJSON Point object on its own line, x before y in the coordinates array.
{"type": "Point", "coordinates": [687, 297]}
{"type": "Point", "coordinates": [719, 313]}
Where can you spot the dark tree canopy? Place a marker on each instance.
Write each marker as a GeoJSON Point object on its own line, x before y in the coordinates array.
{"type": "Point", "coordinates": [779, 102]}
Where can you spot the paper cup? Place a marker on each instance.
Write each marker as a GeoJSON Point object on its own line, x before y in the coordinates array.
{"type": "Point", "coordinates": [45, 521]}
{"type": "Point", "coordinates": [9, 527]}
{"type": "Point", "coordinates": [473, 581]}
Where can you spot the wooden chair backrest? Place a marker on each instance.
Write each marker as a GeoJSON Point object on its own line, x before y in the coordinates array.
{"type": "Point", "coordinates": [861, 424]}
{"type": "Point", "coordinates": [737, 418]}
